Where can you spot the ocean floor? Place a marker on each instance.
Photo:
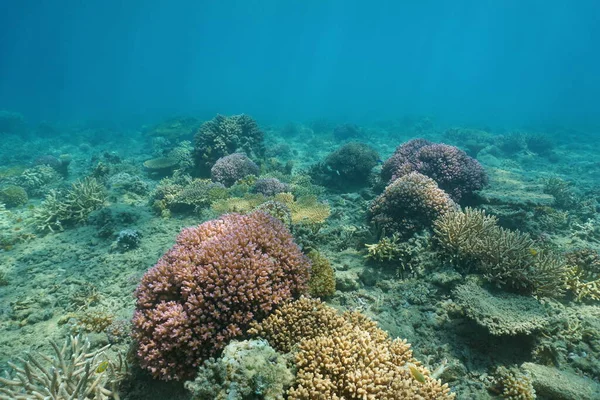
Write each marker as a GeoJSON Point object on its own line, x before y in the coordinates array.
{"type": "Point", "coordinates": [79, 275]}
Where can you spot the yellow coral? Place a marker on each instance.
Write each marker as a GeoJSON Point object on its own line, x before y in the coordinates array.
{"type": "Point", "coordinates": [346, 356]}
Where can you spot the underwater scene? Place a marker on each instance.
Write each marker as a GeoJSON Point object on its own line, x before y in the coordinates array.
{"type": "Point", "coordinates": [316, 200]}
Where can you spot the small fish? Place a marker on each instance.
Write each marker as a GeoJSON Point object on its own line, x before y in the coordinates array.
{"type": "Point", "coordinates": [533, 252]}
{"type": "Point", "coordinates": [102, 367]}
{"type": "Point", "coordinates": [416, 373]}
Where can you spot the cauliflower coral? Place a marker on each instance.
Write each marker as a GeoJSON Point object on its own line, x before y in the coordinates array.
{"type": "Point", "coordinates": [207, 289]}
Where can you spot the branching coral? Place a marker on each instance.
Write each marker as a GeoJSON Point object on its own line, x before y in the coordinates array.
{"type": "Point", "coordinates": [218, 278]}
{"type": "Point", "coordinates": [408, 205]}
{"type": "Point", "coordinates": [74, 372]}
{"type": "Point", "coordinates": [472, 239]}
{"type": "Point", "coordinates": [58, 210]}
{"type": "Point", "coordinates": [222, 136]}
{"type": "Point", "coordinates": [346, 356]}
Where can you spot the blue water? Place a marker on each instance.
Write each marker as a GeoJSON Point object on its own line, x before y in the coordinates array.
{"type": "Point", "coordinates": [480, 62]}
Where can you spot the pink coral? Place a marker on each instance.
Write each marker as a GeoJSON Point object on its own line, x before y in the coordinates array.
{"type": "Point", "coordinates": [409, 204]}
{"type": "Point", "coordinates": [452, 169]}
{"type": "Point", "coordinates": [218, 278]}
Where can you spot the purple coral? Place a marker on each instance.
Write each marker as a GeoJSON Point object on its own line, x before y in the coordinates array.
{"type": "Point", "coordinates": [269, 186]}
{"type": "Point", "coordinates": [409, 204]}
{"type": "Point", "coordinates": [216, 279]}
{"type": "Point", "coordinates": [453, 170]}
{"type": "Point", "coordinates": [227, 170]}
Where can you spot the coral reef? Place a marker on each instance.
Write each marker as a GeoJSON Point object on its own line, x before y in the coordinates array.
{"type": "Point", "coordinates": [322, 276]}
{"type": "Point", "coordinates": [451, 168]}
{"type": "Point", "coordinates": [346, 168]}
{"type": "Point", "coordinates": [408, 205]}
{"type": "Point", "coordinates": [247, 370]}
{"type": "Point", "coordinates": [472, 239]}
{"type": "Point", "coordinates": [13, 196]}
{"type": "Point", "coordinates": [345, 356]}
{"type": "Point", "coordinates": [223, 136]}
{"type": "Point", "coordinates": [74, 372]}
{"type": "Point", "coordinates": [228, 169]}
{"type": "Point", "coordinates": [218, 278]}
{"type": "Point", "coordinates": [59, 210]}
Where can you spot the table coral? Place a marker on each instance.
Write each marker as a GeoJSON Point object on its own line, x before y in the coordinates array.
{"type": "Point", "coordinates": [207, 289]}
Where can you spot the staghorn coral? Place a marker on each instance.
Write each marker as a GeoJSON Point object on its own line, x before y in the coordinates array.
{"type": "Point", "coordinates": [472, 239]}
{"type": "Point", "coordinates": [322, 276]}
{"type": "Point", "coordinates": [223, 136]}
{"type": "Point", "coordinates": [228, 169]}
{"type": "Point", "coordinates": [513, 384]}
{"type": "Point", "coordinates": [247, 370]}
{"type": "Point", "coordinates": [408, 205]}
{"type": "Point", "coordinates": [74, 372]}
{"type": "Point", "coordinates": [73, 207]}
{"type": "Point", "coordinates": [451, 168]}
{"type": "Point", "coordinates": [501, 313]}
{"type": "Point", "coordinates": [345, 356]}
{"type": "Point", "coordinates": [207, 289]}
